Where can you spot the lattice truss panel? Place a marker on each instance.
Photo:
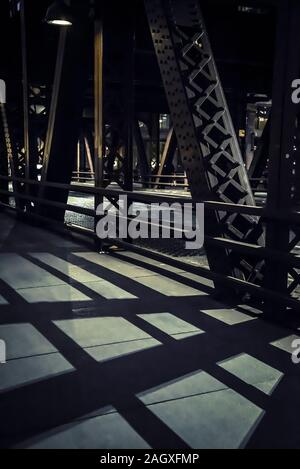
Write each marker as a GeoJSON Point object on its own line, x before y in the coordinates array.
{"type": "Point", "coordinates": [13, 134]}
{"type": "Point", "coordinates": [5, 134]}
{"type": "Point", "coordinates": [38, 107]}
{"type": "Point", "coordinates": [205, 134]}
{"type": "Point", "coordinates": [15, 163]}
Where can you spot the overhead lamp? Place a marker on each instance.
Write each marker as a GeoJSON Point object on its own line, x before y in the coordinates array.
{"type": "Point", "coordinates": [59, 14]}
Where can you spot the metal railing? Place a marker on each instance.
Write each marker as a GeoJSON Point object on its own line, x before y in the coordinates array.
{"type": "Point", "coordinates": [259, 252]}
{"type": "Point", "coordinates": [163, 181]}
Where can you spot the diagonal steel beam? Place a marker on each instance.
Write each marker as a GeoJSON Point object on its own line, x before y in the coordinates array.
{"type": "Point", "coordinates": [66, 113]}
{"type": "Point", "coordinates": [204, 130]}
{"type": "Point", "coordinates": [168, 153]}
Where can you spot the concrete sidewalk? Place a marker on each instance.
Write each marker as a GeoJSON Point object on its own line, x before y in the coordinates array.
{"type": "Point", "coordinates": [119, 351]}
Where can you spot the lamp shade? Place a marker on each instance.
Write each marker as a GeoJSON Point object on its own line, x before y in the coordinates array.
{"type": "Point", "coordinates": [59, 14]}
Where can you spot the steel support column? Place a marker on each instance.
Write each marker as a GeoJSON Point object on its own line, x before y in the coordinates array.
{"type": "Point", "coordinates": [35, 109]}
{"type": "Point", "coordinates": [284, 154]}
{"type": "Point", "coordinates": [155, 139]}
{"type": "Point", "coordinates": [128, 96]}
{"type": "Point", "coordinates": [25, 91]}
{"type": "Point", "coordinates": [65, 119]}
{"type": "Point", "coordinates": [144, 167]}
{"type": "Point", "coordinates": [260, 160]}
{"type": "Point", "coordinates": [98, 109]}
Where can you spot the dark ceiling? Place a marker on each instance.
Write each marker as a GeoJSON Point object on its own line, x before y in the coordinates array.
{"type": "Point", "coordinates": [242, 41]}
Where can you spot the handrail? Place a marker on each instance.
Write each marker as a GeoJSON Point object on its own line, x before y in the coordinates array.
{"type": "Point", "coordinates": [292, 217]}
{"type": "Point", "coordinates": [245, 248]}
{"type": "Point", "coordinates": [242, 285]}
{"type": "Point", "coordinates": [259, 252]}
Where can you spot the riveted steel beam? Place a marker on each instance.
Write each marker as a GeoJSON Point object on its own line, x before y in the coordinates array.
{"type": "Point", "coordinates": [205, 134]}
